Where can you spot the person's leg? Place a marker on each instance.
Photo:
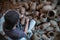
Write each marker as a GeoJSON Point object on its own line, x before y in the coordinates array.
{"type": "Point", "coordinates": [31, 26]}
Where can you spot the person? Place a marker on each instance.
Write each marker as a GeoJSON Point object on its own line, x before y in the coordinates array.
{"type": "Point", "coordinates": [12, 28]}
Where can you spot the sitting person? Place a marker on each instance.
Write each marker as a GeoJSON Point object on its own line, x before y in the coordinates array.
{"type": "Point", "coordinates": [11, 27]}
{"type": "Point", "coordinates": [14, 29]}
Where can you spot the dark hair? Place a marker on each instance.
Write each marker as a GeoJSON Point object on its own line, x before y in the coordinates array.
{"type": "Point", "coordinates": [51, 14]}
{"type": "Point", "coordinates": [11, 18]}
{"type": "Point", "coordinates": [51, 34]}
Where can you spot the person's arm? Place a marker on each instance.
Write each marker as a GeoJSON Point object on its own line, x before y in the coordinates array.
{"type": "Point", "coordinates": [26, 27]}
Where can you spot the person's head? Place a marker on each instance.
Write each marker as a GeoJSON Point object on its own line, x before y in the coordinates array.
{"type": "Point", "coordinates": [51, 13]}
{"type": "Point", "coordinates": [11, 18]}
{"type": "Point", "coordinates": [43, 17]}
{"type": "Point", "coordinates": [51, 34]}
{"type": "Point", "coordinates": [53, 23]}
{"type": "Point", "coordinates": [23, 10]}
{"type": "Point", "coordinates": [47, 8]}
